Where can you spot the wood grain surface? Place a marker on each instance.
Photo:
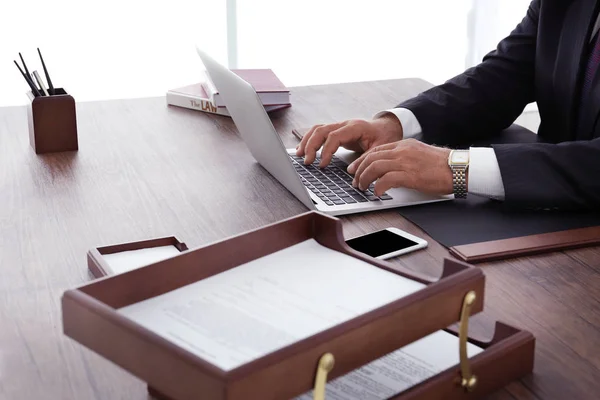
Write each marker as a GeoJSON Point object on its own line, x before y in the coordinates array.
{"type": "Point", "coordinates": [146, 170]}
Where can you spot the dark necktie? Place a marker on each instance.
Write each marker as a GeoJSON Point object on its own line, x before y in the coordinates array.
{"type": "Point", "coordinates": [591, 68]}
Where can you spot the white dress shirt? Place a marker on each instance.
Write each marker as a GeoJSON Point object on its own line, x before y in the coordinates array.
{"type": "Point", "coordinates": [485, 178]}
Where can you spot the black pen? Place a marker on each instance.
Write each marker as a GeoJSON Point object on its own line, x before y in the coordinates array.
{"type": "Point", "coordinates": [50, 86]}
{"type": "Point", "coordinates": [28, 74]}
{"type": "Point", "coordinates": [24, 65]}
{"type": "Point", "coordinates": [34, 89]}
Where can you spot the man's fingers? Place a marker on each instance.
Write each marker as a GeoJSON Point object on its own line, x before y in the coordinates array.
{"type": "Point", "coordinates": [316, 140]}
{"type": "Point", "coordinates": [353, 167]}
{"type": "Point", "coordinates": [335, 139]}
{"type": "Point", "coordinates": [302, 145]}
{"type": "Point", "coordinates": [369, 159]}
{"type": "Point", "coordinates": [376, 170]}
{"type": "Point", "coordinates": [390, 180]}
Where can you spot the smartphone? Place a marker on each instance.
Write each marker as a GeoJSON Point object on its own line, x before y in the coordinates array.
{"type": "Point", "coordinates": [386, 243]}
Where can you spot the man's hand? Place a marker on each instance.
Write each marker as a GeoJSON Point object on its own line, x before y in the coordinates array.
{"type": "Point", "coordinates": [408, 163]}
{"type": "Point", "coordinates": [355, 134]}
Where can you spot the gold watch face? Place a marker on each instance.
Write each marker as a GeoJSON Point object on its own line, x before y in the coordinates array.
{"type": "Point", "coordinates": [459, 157]}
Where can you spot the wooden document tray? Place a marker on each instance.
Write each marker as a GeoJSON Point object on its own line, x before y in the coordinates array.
{"type": "Point", "coordinates": [99, 267]}
{"type": "Point", "coordinates": [91, 317]}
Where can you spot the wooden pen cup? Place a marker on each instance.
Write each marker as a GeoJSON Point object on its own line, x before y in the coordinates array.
{"type": "Point", "coordinates": [52, 122]}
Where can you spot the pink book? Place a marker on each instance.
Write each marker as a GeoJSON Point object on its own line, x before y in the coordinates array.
{"type": "Point", "coordinates": [195, 97]}
{"type": "Point", "coordinates": [270, 89]}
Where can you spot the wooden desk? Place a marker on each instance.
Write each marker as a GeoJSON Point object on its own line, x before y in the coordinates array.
{"type": "Point", "coordinates": [146, 170]}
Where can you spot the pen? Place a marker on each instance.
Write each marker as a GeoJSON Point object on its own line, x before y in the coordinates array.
{"type": "Point", "coordinates": [50, 86]}
{"type": "Point", "coordinates": [28, 80]}
{"type": "Point", "coordinates": [40, 82]}
{"type": "Point", "coordinates": [29, 74]}
{"type": "Point", "coordinates": [24, 65]}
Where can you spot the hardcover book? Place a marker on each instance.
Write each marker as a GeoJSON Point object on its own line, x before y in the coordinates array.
{"type": "Point", "coordinates": [195, 97]}
{"type": "Point", "coordinates": [270, 89]}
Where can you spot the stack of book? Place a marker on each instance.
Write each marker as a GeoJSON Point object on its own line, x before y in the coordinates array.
{"type": "Point", "coordinates": [204, 96]}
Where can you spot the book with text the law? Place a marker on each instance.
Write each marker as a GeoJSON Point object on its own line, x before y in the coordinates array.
{"type": "Point", "coordinates": [195, 97]}
{"type": "Point", "coordinates": [267, 85]}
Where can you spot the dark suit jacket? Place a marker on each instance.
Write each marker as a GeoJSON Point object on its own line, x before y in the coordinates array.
{"type": "Point", "coordinates": [542, 60]}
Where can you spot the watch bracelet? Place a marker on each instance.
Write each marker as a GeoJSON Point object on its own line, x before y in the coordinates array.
{"type": "Point", "coordinates": [459, 182]}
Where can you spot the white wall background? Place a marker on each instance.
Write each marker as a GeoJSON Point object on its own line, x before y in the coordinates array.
{"type": "Point", "coordinates": [110, 48]}
{"type": "Point", "coordinates": [133, 48]}
{"type": "Point", "coordinates": [315, 41]}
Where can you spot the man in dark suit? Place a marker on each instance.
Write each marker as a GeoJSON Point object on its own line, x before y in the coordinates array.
{"type": "Point", "coordinates": [553, 58]}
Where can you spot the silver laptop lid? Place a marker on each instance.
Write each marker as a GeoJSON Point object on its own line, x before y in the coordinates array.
{"type": "Point", "coordinates": [255, 127]}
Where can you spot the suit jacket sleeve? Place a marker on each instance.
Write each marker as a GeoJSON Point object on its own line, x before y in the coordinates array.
{"type": "Point", "coordinates": [557, 176]}
{"type": "Point", "coordinates": [485, 99]}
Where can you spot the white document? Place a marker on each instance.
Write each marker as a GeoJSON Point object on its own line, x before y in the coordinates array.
{"type": "Point", "coordinates": [129, 260]}
{"type": "Point", "coordinates": [398, 371]}
{"type": "Point", "coordinates": [257, 308]}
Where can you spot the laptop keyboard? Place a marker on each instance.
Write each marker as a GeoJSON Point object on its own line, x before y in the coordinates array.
{"type": "Point", "coordinates": [332, 184]}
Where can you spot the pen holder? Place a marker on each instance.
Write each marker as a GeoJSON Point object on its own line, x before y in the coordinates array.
{"type": "Point", "coordinates": [52, 122]}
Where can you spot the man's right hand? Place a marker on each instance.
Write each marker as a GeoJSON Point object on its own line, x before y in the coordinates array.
{"type": "Point", "coordinates": [355, 134]}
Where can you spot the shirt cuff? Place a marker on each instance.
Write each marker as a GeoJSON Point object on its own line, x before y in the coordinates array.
{"type": "Point", "coordinates": [410, 123]}
{"type": "Point", "coordinates": [485, 178]}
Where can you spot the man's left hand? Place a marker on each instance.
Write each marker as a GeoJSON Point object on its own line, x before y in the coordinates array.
{"type": "Point", "coordinates": [407, 163]}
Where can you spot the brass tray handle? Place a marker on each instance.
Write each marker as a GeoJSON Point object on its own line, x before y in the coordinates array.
{"type": "Point", "coordinates": [468, 381]}
{"type": "Point", "coordinates": [326, 363]}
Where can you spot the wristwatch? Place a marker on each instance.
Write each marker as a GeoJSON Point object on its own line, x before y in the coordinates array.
{"type": "Point", "coordinates": [458, 161]}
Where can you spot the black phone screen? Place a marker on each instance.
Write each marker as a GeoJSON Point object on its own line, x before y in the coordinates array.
{"type": "Point", "coordinates": [379, 243]}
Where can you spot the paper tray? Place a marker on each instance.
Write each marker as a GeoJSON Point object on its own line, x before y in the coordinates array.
{"type": "Point", "coordinates": [90, 317]}
{"type": "Point", "coordinates": [99, 267]}
{"type": "Point", "coordinates": [507, 357]}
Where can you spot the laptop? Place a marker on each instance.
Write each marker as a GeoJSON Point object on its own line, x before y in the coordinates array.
{"type": "Point", "coordinates": [329, 189]}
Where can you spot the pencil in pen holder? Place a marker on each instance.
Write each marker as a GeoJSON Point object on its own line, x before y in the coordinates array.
{"type": "Point", "coordinates": [52, 122]}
